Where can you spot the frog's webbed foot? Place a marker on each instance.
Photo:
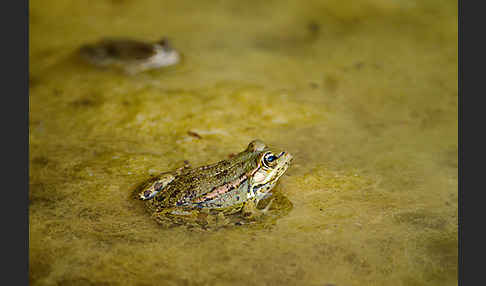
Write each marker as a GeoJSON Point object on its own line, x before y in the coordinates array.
{"type": "Point", "coordinates": [156, 186]}
{"type": "Point", "coordinates": [250, 210]}
{"type": "Point", "coordinates": [267, 207]}
{"type": "Point", "coordinates": [174, 216]}
{"type": "Point", "coordinates": [189, 218]}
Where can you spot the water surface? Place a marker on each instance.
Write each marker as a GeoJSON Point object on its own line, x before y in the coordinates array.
{"type": "Point", "coordinates": [364, 96]}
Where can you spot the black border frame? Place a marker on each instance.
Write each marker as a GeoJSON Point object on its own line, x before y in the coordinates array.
{"type": "Point", "coordinates": [16, 91]}
{"type": "Point", "coordinates": [460, 206]}
{"type": "Point", "coordinates": [15, 115]}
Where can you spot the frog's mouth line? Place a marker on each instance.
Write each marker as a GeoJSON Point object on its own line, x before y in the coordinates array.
{"type": "Point", "coordinates": [268, 185]}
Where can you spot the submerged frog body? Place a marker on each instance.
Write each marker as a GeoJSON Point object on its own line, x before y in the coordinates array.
{"type": "Point", "coordinates": [130, 55]}
{"type": "Point", "coordinates": [224, 188]}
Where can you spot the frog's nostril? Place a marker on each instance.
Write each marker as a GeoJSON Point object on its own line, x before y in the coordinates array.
{"type": "Point", "coordinates": [290, 157]}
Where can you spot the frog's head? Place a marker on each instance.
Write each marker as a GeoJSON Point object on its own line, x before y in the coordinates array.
{"type": "Point", "coordinates": [164, 44]}
{"type": "Point", "coordinates": [165, 54]}
{"type": "Point", "coordinates": [271, 166]}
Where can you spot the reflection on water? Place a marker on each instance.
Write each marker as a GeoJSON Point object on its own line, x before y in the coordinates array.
{"type": "Point", "coordinates": [363, 96]}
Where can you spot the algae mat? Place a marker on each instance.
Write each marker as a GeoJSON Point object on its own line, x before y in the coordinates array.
{"type": "Point", "coordinates": [364, 95]}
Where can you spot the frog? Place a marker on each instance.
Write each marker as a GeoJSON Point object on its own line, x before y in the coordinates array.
{"type": "Point", "coordinates": [198, 196]}
{"type": "Point", "coordinates": [129, 55]}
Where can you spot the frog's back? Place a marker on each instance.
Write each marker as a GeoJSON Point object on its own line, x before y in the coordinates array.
{"type": "Point", "coordinates": [194, 183]}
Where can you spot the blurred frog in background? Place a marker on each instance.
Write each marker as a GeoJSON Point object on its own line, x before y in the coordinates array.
{"type": "Point", "coordinates": [131, 56]}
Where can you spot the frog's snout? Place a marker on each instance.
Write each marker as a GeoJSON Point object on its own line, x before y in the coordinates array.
{"type": "Point", "coordinates": [286, 156]}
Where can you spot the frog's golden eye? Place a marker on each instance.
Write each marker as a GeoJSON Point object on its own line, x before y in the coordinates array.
{"type": "Point", "coordinates": [269, 159]}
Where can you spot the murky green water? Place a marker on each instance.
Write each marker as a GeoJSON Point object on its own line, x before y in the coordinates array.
{"type": "Point", "coordinates": [362, 93]}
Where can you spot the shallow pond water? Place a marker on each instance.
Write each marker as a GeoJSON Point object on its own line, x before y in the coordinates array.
{"type": "Point", "coordinates": [364, 95]}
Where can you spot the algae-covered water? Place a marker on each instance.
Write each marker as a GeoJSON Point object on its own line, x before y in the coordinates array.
{"type": "Point", "coordinates": [363, 94]}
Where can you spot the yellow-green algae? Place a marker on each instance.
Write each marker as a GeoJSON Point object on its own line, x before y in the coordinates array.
{"type": "Point", "coordinates": [362, 93]}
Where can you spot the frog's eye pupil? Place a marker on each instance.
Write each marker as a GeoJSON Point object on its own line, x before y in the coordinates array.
{"type": "Point", "coordinates": [268, 159]}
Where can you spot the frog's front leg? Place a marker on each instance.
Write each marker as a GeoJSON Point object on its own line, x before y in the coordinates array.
{"type": "Point", "coordinates": [250, 209]}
